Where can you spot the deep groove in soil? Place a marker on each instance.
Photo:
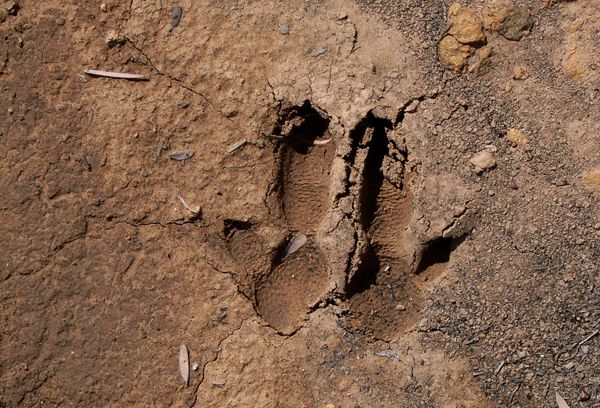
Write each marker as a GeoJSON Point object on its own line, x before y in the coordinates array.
{"type": "Point", "coordinates": [437, 252]}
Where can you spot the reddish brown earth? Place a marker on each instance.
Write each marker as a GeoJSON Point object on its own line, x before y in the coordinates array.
{"type": "Point", "coordinates": [347, 252]}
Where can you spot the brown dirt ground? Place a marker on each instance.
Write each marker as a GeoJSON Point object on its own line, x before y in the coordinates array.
{"type": "Point", "coordinates": [421, 283]}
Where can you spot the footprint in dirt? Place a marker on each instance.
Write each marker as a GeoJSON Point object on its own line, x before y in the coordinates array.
{"type": "Point", "coordinates": [284, 270]}
{"type": "Point", "coordinates": [338, 228]}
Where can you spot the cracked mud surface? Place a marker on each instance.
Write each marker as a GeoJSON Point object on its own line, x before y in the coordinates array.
{"type": "Point", "coordinates": [420, 282]}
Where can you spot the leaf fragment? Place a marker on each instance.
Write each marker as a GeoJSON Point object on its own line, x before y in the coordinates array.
{"type": "Point", "coordinates": [234, 146]}
{"type": "Point", "coordinates": [181, 155]}
{"type": "Point", "coordinates": [560, 401]}
{"type": "Point", "coordinates": [295, 243]}
{"type": "Point", "coordinates": [191, 209]}
{"type": "Point", "coordinates": [116, 75]}
{"type": "Point", "coordinates": [184, 363]}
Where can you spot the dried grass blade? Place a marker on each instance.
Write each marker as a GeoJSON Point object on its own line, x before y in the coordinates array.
{"type": "Point", "coordinates": [184, 363]}
{"type": "Point", "coordinates": [187, 206]}
{"type": "Point", "coordinates": [117, 75]}
{"type": "Point", "coordinates": [560, 401]}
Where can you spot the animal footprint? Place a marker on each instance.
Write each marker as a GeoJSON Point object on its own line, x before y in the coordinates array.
{"type": "Point", "coordinates": [286, 284]}
{"type": "Point", "coordinates": [340, 216]}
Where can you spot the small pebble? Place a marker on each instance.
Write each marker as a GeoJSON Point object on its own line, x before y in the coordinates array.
{"type": "Point", "coordinates": [103, 7]}
{"type": "Point", "coordinates": [483, 161]}
{"type": "Point", "coordinates": [319, 52]}
{"type": "Point", "coordinates": [412, 107]}
{"type": "Point", "coordinates": [584, 396]}
{"type": "Point", "coordinates": [195, 366]}
{"type": "Point", "coordinates": [284, 29]}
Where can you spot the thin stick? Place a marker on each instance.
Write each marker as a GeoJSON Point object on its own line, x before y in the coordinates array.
{"type": "Point", "coordinates": [512, 395]}
{"type": "Point", "coordinates": [117, 75]}
{"type": "Point", "coordinates": [589, 337]}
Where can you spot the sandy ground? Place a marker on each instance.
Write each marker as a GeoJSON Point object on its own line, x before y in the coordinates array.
{"type": "Point", "coordinates": [330, 203]}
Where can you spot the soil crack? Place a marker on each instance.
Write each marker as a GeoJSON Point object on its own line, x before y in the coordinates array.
{"type": "Point", "coordinates": [183, 85]}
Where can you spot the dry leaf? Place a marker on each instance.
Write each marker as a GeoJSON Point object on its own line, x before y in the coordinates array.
{"type": "Point", "coordinates": [560, 401]}
{"type": "Point", "coordinates": [181, 155]}
{"type": "Point", "coordinates": [116, 75]}
{"type": "Point", "coordinates": [233, 147]}
{"type": "Point", "coordinates": [187, 206]}
{"type": "Point", "coordinates": [295, 244]}
{"type": "Point", "coordinates": [184, 363]}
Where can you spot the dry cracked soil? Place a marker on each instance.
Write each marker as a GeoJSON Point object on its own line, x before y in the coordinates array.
{"type": "Point", "coordinates": [331, 203]}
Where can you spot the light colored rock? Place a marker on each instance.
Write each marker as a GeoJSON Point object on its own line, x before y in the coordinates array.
{"type": "Point", "coordinates": [510, 21]}
{"type": "Point", "coordinates": [576, 63]}
{"type": "Point", "coordinates": [520, 73]}
{"type": "Point", "coordinates": [483, 161]}
{"type": "Point", "coordinates": [591, 179]}
{"type": "Point", "coordinates": [466, 26]}
{"type": "Point", "coordinates": [453, 54]}
{"type": "Point", "coordinates": [517, 137]}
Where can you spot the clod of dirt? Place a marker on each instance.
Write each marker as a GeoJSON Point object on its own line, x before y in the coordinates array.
{"type": "Point", "coordinates": [510, 21]}
{"type": "Point", "coordinates": [481, 61]}
{"type": "Point", "coordinates": [114, 38]}
{"type": "Point", "coordinates": [517, 137]}
{"type": "Point", "coordinates": [483, 161]}
{"type": "Point", "coordinates": [454, 55]}
{"type": "Point", "coordinates": [466, 25]}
